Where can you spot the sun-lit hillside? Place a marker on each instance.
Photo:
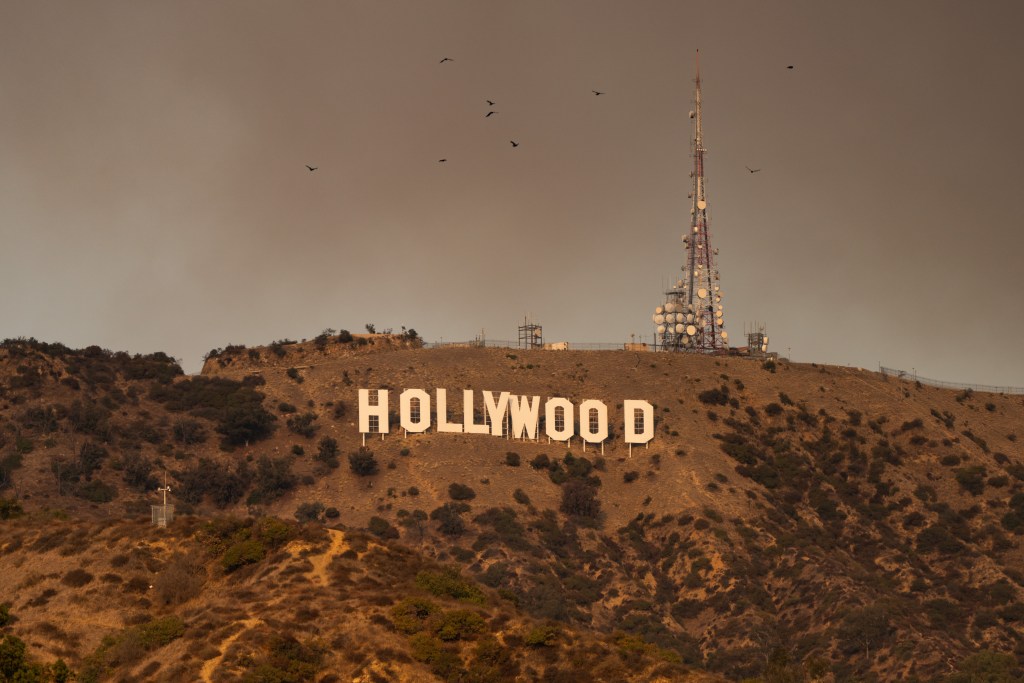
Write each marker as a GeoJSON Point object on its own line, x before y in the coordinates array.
{"type": "Point", "coordinates": [796, 522]}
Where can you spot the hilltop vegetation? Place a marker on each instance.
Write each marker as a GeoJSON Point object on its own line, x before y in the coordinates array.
{"type": "Point", "coordinates": [788, 523]}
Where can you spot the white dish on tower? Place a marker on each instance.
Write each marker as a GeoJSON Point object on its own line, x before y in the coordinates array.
{"type": "Point", "coordinates": [702, 293]}
{"type": "Point", "coordinates": [702, 204]}
{"type": "Point", "coordinates": [679, 328]}
{"type": "Point", "coordinates": [691, 330]}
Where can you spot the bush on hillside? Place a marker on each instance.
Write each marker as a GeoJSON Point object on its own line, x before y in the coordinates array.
{"type": "Point", "coordinates": [363, 463]}
{"type": "Point", "coordinates": [461, 492]}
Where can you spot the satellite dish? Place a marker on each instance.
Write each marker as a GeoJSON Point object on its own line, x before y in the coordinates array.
{"type": "Point", "coordinates": [725, 335]}
{"type": "Point", "coordinates": [689, 307]}
{"type": "Point", "coordinates": [661, 329]}
{"type": "Point", "coordinates": [702, 293]}
{"type": "Point", "coordinates": [679, 283]}
{"type": "Point", "coordinates": [691, 330]}
{"type": "Point", "coordinates": [659, 318]}
{"type": "Point", "coordinates": [694, 227]}
{"type": "Point", "coordinates": [766, 339]}
{"type": "Point", "coordinates": [669, 307]}
{"type": "Point", "coordinates": [659, 309]}
{"type": "Point", "coordinates": [689, 317]}
{"type": "Point", "coordinates": [691, 113]}
{"type": "Point", "coordinates": [686, 339]}
{"type": "Point", "coordinates": [679, 328]}
{"type": "Point", "coordinates": [764, 347]}
{"type": "Point", "coordinates": [702, 204]}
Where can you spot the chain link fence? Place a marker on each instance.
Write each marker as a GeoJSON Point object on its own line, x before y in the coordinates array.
{"type": "Point", "coordinates": [913, 377]}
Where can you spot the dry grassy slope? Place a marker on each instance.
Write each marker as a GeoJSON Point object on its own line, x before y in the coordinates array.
{"type": "Point", "coordinates": [76, 582]}
{"type": "Point", "coordinates": [671, 382]}
{"type": "Point", "coordinates": [758, 570]}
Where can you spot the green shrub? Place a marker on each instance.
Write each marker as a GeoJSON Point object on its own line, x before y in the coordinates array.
{"type": "Point", "coordinates": [449, 518]}
{"type": "Point", "coordinates": [971, 479]}
{"type": "Point", "coordinates": [188, 431]}
{"type": "Point", "coordinates": [380, 527]}
{"type": "Point", "coordinates": [520, 497]}
{"type": "Point", "coordinates": [327, 452]}
{"type": "Point", "coordinates": [447, 583]}
{"type": "Point", "coordinates": [242, 553]}
{"type": "Point", "coordinates": [459, 624]}
{"type": "Point", "coordinates": [363, 463]}
{"type": "Point", "coordinates": [512, 459]}
{"type": "Point", "coordinates": [579, 499]}
{"type": "Point", "coordinates": [309, 512]}
{"type": "Point", "coordinates": [303, 424]}
{"type": "Point", "coordinates": [461, 492]}
{"type": "Point", "coordinates": [542, 636]}
{"type": "Point", "coordinates": [96, 491]}
{"type": "Point", "coordinates": [9, 509]}
{"type": "Point", "coordinates": [630, 477]}
{"type": "Point", "coordinates": [411, 614]}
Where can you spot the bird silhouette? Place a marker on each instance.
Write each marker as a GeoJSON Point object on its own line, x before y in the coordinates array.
{"type": "Point", "coordinates": [790, 66]}
{"type": "Point", "coordinates": [596, 92]}
{"type": "Point", "coordinates": [441, 161]}
{"type": "Point", "coordinates": [446, 59]}
{"type": "Point", "coordinates": [489, 103]}
{"type": "Point", "coordinates": [489, 114]}
{"type": "Point", "coordinates": [752, 170]}
{"type": "Point", "coordinates": [311, 168]}
{"type": "Point", "coordinates": [514, 143]}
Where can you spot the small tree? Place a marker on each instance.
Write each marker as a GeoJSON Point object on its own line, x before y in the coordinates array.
{"type": "Point", "coordinates": [461, 492]}
{"type": "Point", "coordinates": [362, 463]}
{"type": "Point", "coordinates": [327, 452]}
{"type": "Point", "coordinates": [309, 512]}
{"type": "Point", "coordinates": [579, 499]}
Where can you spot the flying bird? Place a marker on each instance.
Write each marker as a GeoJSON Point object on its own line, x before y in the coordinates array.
{"type": "Point", "coordinates": [489, 114]}
{"type": "Point", "coordinates": [446, 59]}
{"type": "Point", "coordinates": [752, 170]}
{"type": "Point", "coordinates": [514, 143]}
{"type": "Point", "coordinates": [790, 66]}
{"type": "Point", "coordinates": [441, 161]}
{"type": "Point", "coordinates": [311, 168]}
{"type": "Point", "coordinates": [596, 92]}
{"type": "Point", "coordinates": [489, 103]}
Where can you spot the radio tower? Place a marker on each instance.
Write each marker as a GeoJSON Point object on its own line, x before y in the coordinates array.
{"type": "Point", "coordinates": [691, 317]}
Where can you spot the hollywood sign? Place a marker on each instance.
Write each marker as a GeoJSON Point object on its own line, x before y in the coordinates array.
{"type": "Point", "coordinates": [505, 414]}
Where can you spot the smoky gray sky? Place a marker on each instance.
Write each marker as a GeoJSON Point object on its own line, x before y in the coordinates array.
{"type": "Point", "coordinates": [154, 192]}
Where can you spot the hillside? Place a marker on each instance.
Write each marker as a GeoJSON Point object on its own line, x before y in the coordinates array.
{"type": "Point", "coordinates": [798, 523]}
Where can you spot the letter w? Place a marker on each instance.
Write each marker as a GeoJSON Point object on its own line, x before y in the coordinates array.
{"type": "Point", "coordinates": [525, 416]}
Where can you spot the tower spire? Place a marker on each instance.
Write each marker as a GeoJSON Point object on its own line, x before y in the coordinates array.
{"type": "Point", "coordinates": [691, 317]}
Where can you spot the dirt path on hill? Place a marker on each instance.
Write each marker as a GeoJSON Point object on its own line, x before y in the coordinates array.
{"type": "Point", "coordinates": [323, 560]}
{"type": "Point", "coordinates": [210, 665]}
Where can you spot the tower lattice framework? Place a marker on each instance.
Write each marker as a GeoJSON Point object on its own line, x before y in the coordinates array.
{"type": "Point", "coordinates": [691, 317]}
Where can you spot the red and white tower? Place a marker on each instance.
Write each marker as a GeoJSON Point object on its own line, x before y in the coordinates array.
{"type": "Point", "coordinates": [691, 317]}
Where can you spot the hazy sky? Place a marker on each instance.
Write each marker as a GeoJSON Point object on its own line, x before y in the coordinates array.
{"type": "Point", "coordinates": [154, 193]}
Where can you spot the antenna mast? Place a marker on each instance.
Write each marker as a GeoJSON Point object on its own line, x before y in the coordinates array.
{"type": "Point", "coordinates": [691, 317]}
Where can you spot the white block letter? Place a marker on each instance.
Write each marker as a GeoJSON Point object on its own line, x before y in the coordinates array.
{"type": "Point", "coordinates": [587, 408]}
{"type": "Point", "coordinates": [443, 425]}
{"type": "Point", "coordinates": [380, 410]}
{"type": "Point", "coordinates": [422, 421]}
{"type": "Point", "coordinates": [551, 428]}
{"type": "Point", "coordinates": [470, 425]}
{"type": "Point", "coordinates": [638, 417]}
{"type": "Point", "coordinates": [525, 415]}
{"type": "Point", "coordinates": [496, 411]}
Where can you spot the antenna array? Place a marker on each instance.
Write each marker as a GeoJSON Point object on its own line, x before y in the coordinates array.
{"type": "Point", "coordinates": [691, 319]}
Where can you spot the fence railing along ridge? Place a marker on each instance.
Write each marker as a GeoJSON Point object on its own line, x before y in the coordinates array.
{"type": "Point", "coordinates": [914, 377]}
